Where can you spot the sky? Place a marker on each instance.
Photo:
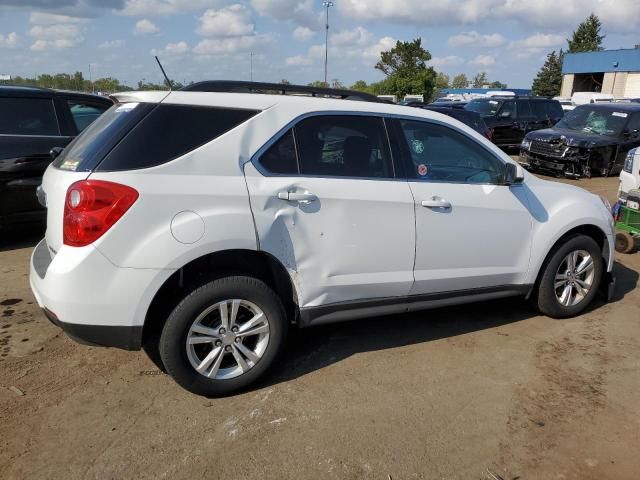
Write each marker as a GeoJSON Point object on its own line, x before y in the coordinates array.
{"type": "Point", "coordinates": [284, 39]}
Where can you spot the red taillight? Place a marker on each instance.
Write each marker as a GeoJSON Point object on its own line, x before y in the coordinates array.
{"type": "Point", "coordinates": [92, 207]}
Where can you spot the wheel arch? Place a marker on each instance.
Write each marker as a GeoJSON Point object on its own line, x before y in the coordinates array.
{"type": "Point", "coordinates": [590, 230]}
{"type": "Point", "coordinates": [208, 267]}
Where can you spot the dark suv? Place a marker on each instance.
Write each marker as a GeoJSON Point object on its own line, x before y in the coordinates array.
{"type": "Point", "coordinates": [591, 139]}
{"type": "Point", "coordinates": [33, 121]}
{"type": "Point", "coordinates": [511, 118]}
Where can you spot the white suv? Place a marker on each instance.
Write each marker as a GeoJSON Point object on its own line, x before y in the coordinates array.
{"type": "Point", "coordinates": [201, 226]}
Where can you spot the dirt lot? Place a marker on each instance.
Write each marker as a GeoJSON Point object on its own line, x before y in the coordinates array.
{"type": "Point", "coordinates": [449, 393]}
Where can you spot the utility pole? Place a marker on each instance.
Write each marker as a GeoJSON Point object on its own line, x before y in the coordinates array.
{"type": "Point", "coordinates": [326, 6]}
{"type": "Point", "coordinates": [251, 54]}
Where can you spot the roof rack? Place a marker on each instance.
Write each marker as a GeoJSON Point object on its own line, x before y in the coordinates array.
{"type": "Point", "coordinates": [236, 86]}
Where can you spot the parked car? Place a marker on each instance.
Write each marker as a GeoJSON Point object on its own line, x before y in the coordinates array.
{"type": "Point", "coordinates": [33, 121]}
{"type": "Point", "coordinates": [630, 174]}
{"type": "Point", "coordinates": [591, 139]}
{"type": "Point", "coordinates": [566, 103]}
{"type": "Point", "coordinates": [511, 118]}
{"type": "Point", "coordinates": [583, 98]}
{"type": "Point", "coordinates": [469, 118]}
{"type": "Point", "coordinates": [202, 226]}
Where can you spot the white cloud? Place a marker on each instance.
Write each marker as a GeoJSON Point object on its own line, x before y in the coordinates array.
{"type": "Point", "coordinates": [54, 32]}
{"type": "Point", "coordinates": [42, 18]}
{"type": "Point", "coordinates": [298, 11]}
{"type": "Point", "coordinates": [145, 27]}
{"type": "Point", "coordinates": [9, 40]}
{"type": "Point", "coordinates": [475, 39]}
{"type": "Point", "coordinates": [357, 36]}
{"type": "Point", "coordinates": [164, 7]}
{"type": "Point", "coordinates": [483, 60]}
{"type": "Point", "coordinates": [448, 61]}
{"type": "Point", "coordinates": [549, 14]}
{"type": "Point", "coordinates": [112, 44]}
{"type": "Point", "coordinates": [539, 40]}
{"type": "Point", "coordinates": [228, 45]}
{"type": "Point", "coordinates": [172, 49]}
{"type": "Point", "coordinates": [302, 34]}
{"type": "Point", "coordinates": [298, 61]}
{"type": "Point", "coordinates": [231, 21]}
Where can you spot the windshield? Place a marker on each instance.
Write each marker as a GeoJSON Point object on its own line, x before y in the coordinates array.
{"type": "Point", "coordinates": [485, 107]}
{"type": "Point", "coordinates": [587, 119]}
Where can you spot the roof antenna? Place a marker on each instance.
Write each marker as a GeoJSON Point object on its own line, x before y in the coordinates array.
{"type": "Point", "coordinates": [165, 74]}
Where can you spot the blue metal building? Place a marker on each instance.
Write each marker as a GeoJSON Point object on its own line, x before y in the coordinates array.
{"type": "Point", "coordinates": [610, 71]}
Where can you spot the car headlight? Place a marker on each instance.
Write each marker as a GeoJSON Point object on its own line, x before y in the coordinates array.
{"type": "Point", "coordinates": [525, 144]}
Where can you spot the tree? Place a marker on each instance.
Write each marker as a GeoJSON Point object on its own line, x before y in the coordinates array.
{"type": "Point", "coordinates": [442, 81]}
{"type": "Point", "coordinates": [318, 84]}
{"type": "Point", "coordinates": [460, 81]}
{"type": "Point", "coordinates": [360, 86]}
{"type": "Point", "coordinates": [549, 79]}
{"type": "Point", "coordinates": [497, 84]}
{"type": "Point", "coordinates": [284, 81]}
{"type": "Point", "coordinates": [480, 80]}
{"type": "Point", "coordinates": [405, 66]}
{"type": "Point", "coordinates": [587, 36]}
{"type": "Point", "coordinates": [335, 83]}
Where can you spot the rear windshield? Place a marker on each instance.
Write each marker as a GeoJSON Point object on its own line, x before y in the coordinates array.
{"type": "Point", "coordinates": [140, 135]}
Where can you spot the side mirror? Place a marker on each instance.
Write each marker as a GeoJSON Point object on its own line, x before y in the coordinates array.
{"type": "Point", "coordinates": [513, 174]}
{"type": "Point", "coordinates": [55, 151]}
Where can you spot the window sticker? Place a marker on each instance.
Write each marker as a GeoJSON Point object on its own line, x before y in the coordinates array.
{"type": "Point", "coordinates": [619, 114]}
{"type": "Point", "coordinates": [417, 146]}
{"type": "Point", "coordinates": [422, 170]}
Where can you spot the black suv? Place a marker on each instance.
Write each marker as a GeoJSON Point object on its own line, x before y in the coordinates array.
{"type": "Point", "coordinates": [511, 118]}
{"type": "Point", "coordinates": [33, 121]}
{"type": "Point", "coordinates": [590, 139]}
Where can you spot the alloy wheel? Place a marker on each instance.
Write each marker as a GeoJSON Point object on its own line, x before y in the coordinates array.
{"type": "Point", "coordinates": [227, 339]}
{"type": "Point", "coordinates": [574, 278]}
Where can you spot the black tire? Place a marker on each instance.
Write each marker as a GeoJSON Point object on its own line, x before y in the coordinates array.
{"type": "Point", "coordinates": [624, 242]}
{"type": "Point", "coordinates": [546, 299]}
{"type": "Point", "coordinates": [173, 350]}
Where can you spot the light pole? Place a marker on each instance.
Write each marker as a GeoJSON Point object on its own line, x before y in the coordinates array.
{"type": "Point", "coordinates": [326, 5]}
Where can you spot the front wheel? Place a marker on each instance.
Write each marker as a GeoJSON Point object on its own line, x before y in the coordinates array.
{"type": "Point", "coordinates": [223, 336]}
{"type": "Point", "coordinates": [570, 278]}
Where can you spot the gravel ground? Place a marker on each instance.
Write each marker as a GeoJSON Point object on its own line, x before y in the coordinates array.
{"type": "Point", "coordinates": [466, 392]}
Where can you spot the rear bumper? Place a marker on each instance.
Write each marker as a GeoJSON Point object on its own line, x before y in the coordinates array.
{"type": "Point", "coordinates": [123, 337]}
{"type": "Point", "coordinates": [91, 299]}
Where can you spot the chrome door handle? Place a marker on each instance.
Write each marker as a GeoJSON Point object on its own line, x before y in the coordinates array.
{"type": "Point", "coordinates": [303, 198]}
{"type": "Point", "coordinates": [436, 202]}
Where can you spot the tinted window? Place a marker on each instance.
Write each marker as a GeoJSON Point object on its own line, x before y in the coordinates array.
{"type": "Point", "coordinates": [508, 109]}
{"type": "Point", "coordinates": [28, 116]}
{"type": "Point", "coordinates": [170, 131]}
{"type": "Point", "coordinates": [343, 146]}
{"type": "Point", "coordinates": [634, 123]}
{"type": "Point", "coordinates": [88, 148]}
{"type": "Point", "coordinates": [485, 107]}
{"type": "Point", "coordinates": [524, 110]}
{"type": "Point", "coordinates": [441, 154]}
{"type": "Point", "coordinates": [281, 156]}
{"type": "Point", "coordinates": [85, 113]}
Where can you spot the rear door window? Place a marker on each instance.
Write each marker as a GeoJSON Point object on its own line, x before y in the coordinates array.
{"type": "Point", "coordinates": [344, 146]}
{"type": "Point", "coordinates": [280, 158]}
{"type": "Point", "coordinates": [28, 116]}
{"type": "Point", "coordinates": [85, 113]}
{"type": "Point", "coordinates": [524, 109]}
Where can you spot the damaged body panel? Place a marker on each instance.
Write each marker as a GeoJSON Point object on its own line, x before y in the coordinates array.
{"type": "Point", "coordinates": [592, 141]}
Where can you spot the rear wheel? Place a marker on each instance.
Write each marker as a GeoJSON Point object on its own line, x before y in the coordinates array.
{"type": "Point", "coordinates": [624, 242]}
{"type": "Point", "coordinates": [223, 336]}
{"type": "Point", "coordinates": [571, 278]}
